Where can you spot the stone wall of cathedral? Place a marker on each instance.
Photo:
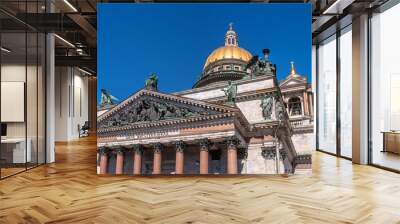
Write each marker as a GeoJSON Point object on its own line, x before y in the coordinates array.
{"type": "Point", "coordinates": [256, 161]}
{"type": "Point", "coordinates": [304, 142]}
{"type": "Point", "coordinates": [251, 110]}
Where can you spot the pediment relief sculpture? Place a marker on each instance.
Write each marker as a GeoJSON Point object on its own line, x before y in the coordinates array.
{"type": "Point", "coordinates": [148, 109]}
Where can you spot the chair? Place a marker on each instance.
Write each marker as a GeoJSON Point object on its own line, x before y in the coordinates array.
{"type": "Point", "coordinates": [84, 130]}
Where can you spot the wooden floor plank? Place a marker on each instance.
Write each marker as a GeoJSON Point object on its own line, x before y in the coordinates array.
{"type": "Point", "coordinates": [69, 191]}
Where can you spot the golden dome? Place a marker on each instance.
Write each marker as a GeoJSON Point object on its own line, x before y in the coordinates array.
{"type": "Point", "coordinates": [231, 50]}
{"type": "Point", "coordinates": [228, 52]}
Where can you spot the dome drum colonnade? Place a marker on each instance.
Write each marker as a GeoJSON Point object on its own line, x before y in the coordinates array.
{"type": "Point", "coordinates": [204, 146]}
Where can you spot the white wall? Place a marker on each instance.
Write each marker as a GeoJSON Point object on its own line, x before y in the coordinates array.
{"type": "Point", "coordinates": [71, 103]}
{"type": "Point", "coordinates": [17, 73]}
{"type": "Point", "coordinates": [33, 126]}
{"type": "Point", "coordinates": [12, 73]}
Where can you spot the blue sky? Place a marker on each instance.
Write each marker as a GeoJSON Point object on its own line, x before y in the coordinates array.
{"type": "Point", "coordinates": [174, 40]}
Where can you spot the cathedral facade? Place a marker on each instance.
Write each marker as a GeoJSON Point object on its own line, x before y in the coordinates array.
{"type": "Point", "coordinates": [237, 119]}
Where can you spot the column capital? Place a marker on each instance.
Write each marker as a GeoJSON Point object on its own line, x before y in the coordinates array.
{"type": "Point", "coordinates": [138, 149]}
{"type": "Point", "coordinates": [158, 147]}
{"type": "Point", "coordinates": [180, 146]}
{"type": "Point", "coordinates": [232, 142]}
{"type": "Point", "coordinates": [103, 150]}
{"type": "Point", "coordinates": [127, 147]}
{"type": "Point", "coordinates": [119, 151]}
{"type": "Point", "coordinates": [268, 152]}
{"type": "Point", "coordinates": [205, 144]}
{"type": "Point", "coordinates": [113, 150]}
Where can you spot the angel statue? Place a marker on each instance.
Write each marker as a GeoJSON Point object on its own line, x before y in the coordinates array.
{"type": "Point", "coordinates": [230, 92]}
{"type": "Point", "coordinates": [152, 82]}
{"type": "Point", "coordinates": [266, 106]}
{"type": "Point", "coordinates": [107, 99]}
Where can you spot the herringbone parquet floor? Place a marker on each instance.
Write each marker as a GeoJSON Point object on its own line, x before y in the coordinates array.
{"type": "Point", "coordinates": [69, 191]}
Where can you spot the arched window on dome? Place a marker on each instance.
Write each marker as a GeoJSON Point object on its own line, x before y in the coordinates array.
{"type": "Point", "coordinates": [294, 106]}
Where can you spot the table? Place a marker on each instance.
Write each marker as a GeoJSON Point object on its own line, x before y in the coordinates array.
{"type": "Point", "coordinates": [13, 150]}
{"type": "Point", "coordinates": [391, 141]}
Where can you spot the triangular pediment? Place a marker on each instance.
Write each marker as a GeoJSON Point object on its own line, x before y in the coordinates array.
{"type": "Point", "coordinates": [148, 106]}
{"type": "Point", "coordinates": [292, 81]}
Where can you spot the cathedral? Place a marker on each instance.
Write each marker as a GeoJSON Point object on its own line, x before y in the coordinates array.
{"type": "Point", "coordinates": [237, 119]}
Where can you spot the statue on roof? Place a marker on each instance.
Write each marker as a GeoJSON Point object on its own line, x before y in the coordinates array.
{"type": "Point", "coordinates": [152, 82]}
{"type": "Point", "coordinates": [253, 64]}
{"type": "Point", "coordinates": [230, 92]}
{"type": "Point", "coordinates": [264, 64]}
{"type": "Point", "coordinates": [107, 99]}
{"type": "Point", "coordinates": [259, 66]}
